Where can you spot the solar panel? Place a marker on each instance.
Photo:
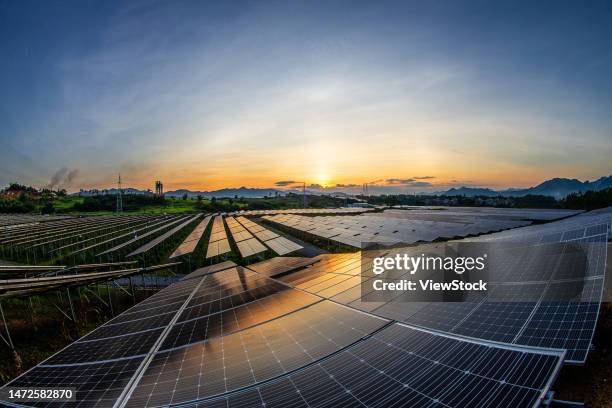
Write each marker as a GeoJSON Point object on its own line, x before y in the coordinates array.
{"type": "Point", "coordinates": [191, 242]}
{"type": "Point", "coordinates": [281, 265]}
{"type": "Point", "coordinates": [152, 244]}
{"type": "Point", "coordinates": [266, 235]}
{"type": "Point", "coordinates": [97, 384]}
{"type": "Point", "coordinates": [209, 269]}
{"type": "Point", "coordinates": [218, 248]}
{"type": "Point", "coordinates": [278, 244]}
{"type": "Point", "coordinates": [138, 238]}
{"type": "Point", "coordinates": [283, 246]}
{"type": "Point", "coordinates": [249, 356]}
{"type": "Point", "coordinates": [403, 366]}
{"type": "Point", "coordinates": [250, 247]}
{"type": "Point", "coordinates": [112, 348]}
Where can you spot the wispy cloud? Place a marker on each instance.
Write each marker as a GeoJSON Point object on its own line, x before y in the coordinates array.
{"type": "Point", "coordinates": [408, 182]}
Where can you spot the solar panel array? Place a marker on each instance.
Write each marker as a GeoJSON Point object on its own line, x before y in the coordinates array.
{"type": "Point", "coordinates": [18, 287]}
{"type": "Point", "coordinates": [231, 336]}
{"type": "Point", "coordinates": [9, 221]}
{"type": "Point", "coordinates": [541, 319]}
{"type": "Point", "coordinates": [131, 234]}
{"type": "Point", "coordinates": [294, 332]}
{"type": "Point", "coordinates": [410, 226]}
{"type": "Point", "coordinates": [310, 211]}
{"type": "Point", "coordinates": [247, 244]}
{"type": "Point", "coordinates": [48, 233]}
{"type": "Point", "coordinates": [150, 233]}
{"type": "Point", "coordinates": [280, 245]}
{"type": "Point", "coordinates": [463, 214]}
{"type": "Point", "coordinates": [191, 242]}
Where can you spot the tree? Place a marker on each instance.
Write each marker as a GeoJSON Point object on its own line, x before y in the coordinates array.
{"type": "Point", "coordinates": [185, 196]}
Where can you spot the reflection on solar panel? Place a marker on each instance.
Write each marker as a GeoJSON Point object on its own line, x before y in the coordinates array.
{"type": "Point", "coordinates": [218, 243]}
{"type": "Point", "coordinates": [283, 246]}
{"type": "Point", "coordinates": [280, 245]}
{"type": "Point", "coordinates": [226, 334]}
{"type": "Point", "coordinates": [393, 226]}
{"type": "Point", "coordinates": [218, 248]}
{"type": "Point", "coordinates": [249, 356]}
{"type": "Point", "coordinates": [403, 366]}
{"type": "Point", "coordinates": [238, 232]}
{"type": "Point", "coordinates": [544, 323]}
{"type": "Point", "coordinates": [191, 242]}
{"type": "Point", "coordinates": [209, 269]}
{"type": "Point", "coordinates": [281, 265]}
{"type": "Point", "coordinates": [250, 247]}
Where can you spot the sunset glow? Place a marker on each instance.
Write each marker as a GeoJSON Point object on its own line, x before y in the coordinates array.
{"type": "Point", "coordinates": [331, 95]}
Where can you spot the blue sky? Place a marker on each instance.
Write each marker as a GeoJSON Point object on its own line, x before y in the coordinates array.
{"type": "Point", "coordinates": [205, 95]}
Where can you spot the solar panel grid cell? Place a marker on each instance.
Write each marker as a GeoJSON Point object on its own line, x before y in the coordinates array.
{"type": "Point", "coordinates": [106, 349]}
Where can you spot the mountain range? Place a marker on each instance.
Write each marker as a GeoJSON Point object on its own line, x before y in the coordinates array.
{"type": "Point", "coordinates": [556, 187]}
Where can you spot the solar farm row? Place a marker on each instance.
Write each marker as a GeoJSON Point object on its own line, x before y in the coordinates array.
{"type": "Point", "coordinates": [81, 239]}
{"type": "Point", "coordinates": [407, 226]}
{"type": "Point", "coordinates": [308, 211]}
{"type": "Point", "coordinates": [191, 242]}
{"type": "Point", "coordinates": [17, 287]}
{"type": "Point", "coordinates": [9, 221]}
{"type": "Point", "coordinates": [280, 245]}
{"type": "Point", "coordinates": [218, 244]}
{"type": "Point", "coordinates": [113, 238]}
{"type": "Point", "coordinates": [249, 238]}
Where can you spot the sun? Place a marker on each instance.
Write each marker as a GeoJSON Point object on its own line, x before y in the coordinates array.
{"type": "Point", "coordinates": [323, 179]}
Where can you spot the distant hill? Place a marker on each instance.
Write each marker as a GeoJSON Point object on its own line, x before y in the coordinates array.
{"type": "Point", "coordinates": [228, 192]}
{"type": "Point", "coordinates": [469, 192]}
{"type": "Point", "coordinates": [556, 187]}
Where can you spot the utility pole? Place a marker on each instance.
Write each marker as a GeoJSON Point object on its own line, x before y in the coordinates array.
{"type": "Point", "coordinates": [119, 198]}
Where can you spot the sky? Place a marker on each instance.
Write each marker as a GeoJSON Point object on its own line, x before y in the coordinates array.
{"type": "Point", "coordinates": [415, 95]}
